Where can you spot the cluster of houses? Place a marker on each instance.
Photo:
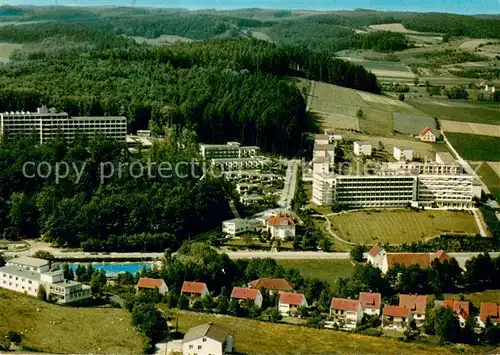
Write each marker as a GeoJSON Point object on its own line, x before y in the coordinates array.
{"type": "Point", "coordinates": [279, 225]}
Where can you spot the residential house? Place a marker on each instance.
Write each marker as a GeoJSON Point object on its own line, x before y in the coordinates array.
{"type": "Point", "coordinates": [403, 154]}
{"type": "Point", "coordinates": [271, 285]}
{"type": "Point", "coordinates": [371, 303]}
{"type": "Point", "coordinates": [281, 226]}
{"type": "Point", "coordinates": [362, 148]}
{"type": "Point", "coordinates": [417, 304]}
{"type": "Point", "coordinates": [488, 310]}
{"type": "Point", "coordinates": [376, 256]}
{"type": "Point", "coordinates": [147, 283]}
{"type": "Point", "coordinates": [243, 294]}
{"type": "Point", "coordinates": [427, 135]}
{"type": "Point", "coordinates": [194, 289]}
{"type": "Point", "coordinates": [207, 339]}
{"type": "Point", "coordinates": [236, 226]}
{"type": "Point", "coordinates": [396, 318]}
{"type": "Point", "coordinates": [346, 313]}
{"type": "Point", "coordinates": [460, 308]}
{"type": "Point", "coordinates": [289, 303]}
{"type": "Point", "coordinates": [423, 260]}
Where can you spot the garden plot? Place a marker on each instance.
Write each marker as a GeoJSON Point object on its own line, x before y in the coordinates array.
{"type": "Point", "coordinates": [471, 128]}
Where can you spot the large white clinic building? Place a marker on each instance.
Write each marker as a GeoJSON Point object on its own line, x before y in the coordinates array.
{"type": "Point", "coordinates": [47, 124]}
{"type": "Point", "coordinates": [439, 183]}
{"type": "Point", "coordinates": [231, 150]}
{"type": "Point", "coordinates": [26, 275]}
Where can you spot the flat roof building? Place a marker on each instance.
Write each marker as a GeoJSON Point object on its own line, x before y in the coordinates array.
{"type": "Point", "coordinates": [230, 150]}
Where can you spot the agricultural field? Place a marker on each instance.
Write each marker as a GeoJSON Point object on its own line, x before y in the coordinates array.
{"type": "Point", "coordinates": [394, 27]}
{"type": "Point", "coordinates": [254, 337]}
{"type": "Point", "coordinates": [475, 147]}
{"type": "Point", "coordinates": [57, 329]}
{"type": "Point", "coordinates": [6, 50]}
{"type": "Point", "coordinates": [471, 128]}
{"type": "Point", "coordinates": [459, 111]}
{"type": "Point", "coordinates": [412, 124]}
{"type": "Point", "coordinates": [400, 226]}
{"type": "Point", "coordinates": [489, 172]}
{"type": "Point", "coordinates": [327, 270]}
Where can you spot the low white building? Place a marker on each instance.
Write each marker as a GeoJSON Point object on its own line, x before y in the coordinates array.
{"type": "Point", "coordinates": [333, 136]}
{"type": "Point", "coordinates": [401, 153]}
{"type": "Point", "coordinates": [289, 303]}
{"type": "Point", "coordinates": [362, 148]}
{"type": "Point", "coordinates": [346, 313]}
{"type": "Point", "coordinates": [27, 275]}
{"type": "Point", "coordinates": [207, 339]}
{"type": "Point", "coordinates": [281, 226]}
{"type": "Point", "coordinates": [237, 226]}
{"type": "Point", "coordinates": [376, 256]}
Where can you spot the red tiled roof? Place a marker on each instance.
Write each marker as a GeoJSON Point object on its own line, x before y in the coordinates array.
{"type": "Point", "coordinates": [441, 256]}
{"type": "Point", "coordinates": [295, 299]}
{"type": "Point", "coordinates": [416, 303]}
{"type": "Point", "coordinates": [146, 282]}
{"type": "Point", "coordinates": [408, 259]}
{"type": "Point", "coordinates": [244, 293]}
{"type": "Point", "coordinates": [280, 220]}
{"type": "Point", "coordinates": [375, 250]}
{"type": "Point", "coordinates": [426, 129]}
{"type": "Point", "coordinates": [193, 287]}
{"type": "Point", "coordinates": [271, 284]}
{"type": "Point", "coordinates": [458, 307]}
{"type": "Point", "coordinates": [370, 300]}
{"type": "Point", "coordinates": [395, 311]}
{"type": "Point", "coordinates": [489, 310]}
{"type": "Point", "coordinates": [344, 304]}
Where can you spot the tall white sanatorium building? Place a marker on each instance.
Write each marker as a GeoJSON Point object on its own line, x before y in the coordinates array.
{"type": "Point", "coordinates": [48, 124]}
{"type": "Point", "coordinates": [26, 275]}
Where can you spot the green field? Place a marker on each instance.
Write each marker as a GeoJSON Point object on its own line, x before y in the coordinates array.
{"type": "Point", "coordinates": [475, 147]}
{"type": "Point", "coordinates": [254, 337]}
{"type": "Point", "coordinates": [6, 50]}
{"type": "Point", "coordinates": [400, 226]}
{"type": "Point", "coordinates": [460, 112]}
{"type": "Point", "coordinates": [490, 179]}
{"type": "Point", "coordinates": [57, 329]}
{"type": "Point", "coordinates": [327, 270]}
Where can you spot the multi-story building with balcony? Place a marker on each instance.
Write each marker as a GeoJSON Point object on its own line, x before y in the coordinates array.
{"type": "Point", "coordinates": [47, 124]}
{"type": "Point", "coordinates": [227, 151]}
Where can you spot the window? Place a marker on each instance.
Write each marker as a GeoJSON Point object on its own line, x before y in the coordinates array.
{"type": "Point", "coordinates": [199, 347]}
{"type": "Point", "coordinates": [204, 339]}
{"type": "Point", "coordinates": [191, 346]}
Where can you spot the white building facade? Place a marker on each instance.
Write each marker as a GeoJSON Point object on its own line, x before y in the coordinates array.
{"type": "Point", "coordinates": [231, 150]}
{"type": "Point", "coordinates": [237, 226]}
{"type": "Point", "coordinates": [362, 148]}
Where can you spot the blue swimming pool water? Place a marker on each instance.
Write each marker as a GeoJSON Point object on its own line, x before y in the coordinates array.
{"type": "Point", "coordinates": [116, 268]}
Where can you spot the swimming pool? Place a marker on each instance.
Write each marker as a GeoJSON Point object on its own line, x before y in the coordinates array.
{"type": "Point", "coordinates": [116, 268]}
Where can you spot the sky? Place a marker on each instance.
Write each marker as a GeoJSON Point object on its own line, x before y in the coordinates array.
{"type": "Point", "coordinates": [451, 6]}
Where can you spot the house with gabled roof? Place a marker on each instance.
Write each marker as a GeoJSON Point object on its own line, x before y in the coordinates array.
{"type": "Point", "coordinates": [281, 226]}
{"type": "Point", "coordinates": [271, 285]}
{"type": "Point", "coordinates": [417, 304]}
{"type": "Point", "coordinates": [396, 318]}
{"type": "Point", "coordinates": [460, 308]}
{"type": "Point", "coordinates": [245, 294]}
{"type": "Point", "coordinates": [376, 256]}
{"type": "Point", "coordinates": [290, 302]}
{"type": "Point", "coordinates": [423, 260]}
{"type": "Point", "coordinates": [427, 135]}
{"type": "Point", "coordinates": [147, 283]}
{"type": "Point", "coordinates": [207, 339]}
{"type": "Point", "coordinates": [194, 289]}
{"type": "Point", "coordinates": [371, 303]}
{"type": "Point", "coordinates": [489, 311]}
{"type": "Point", "coordinates": [346, 313]}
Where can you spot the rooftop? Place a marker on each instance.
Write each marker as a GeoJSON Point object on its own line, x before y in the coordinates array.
{"type": "Point", "coordinates": [363, 143]}
{"type": "Point", "coordinates": [147, 282]}
{"type": "Point", "coordinates": [426, 129]}
{"type": "Point", "coordinates": [322, 136]}
{"type": "Point", "coordinates": [408, 259]}
{"type": "Point", "coordinates": [344, 304]}
{"type": "Point", "coordinates": [321, 160]}
{"type": "Point", "coordinates": [28, 261]}
{"type": "Point", "coordinates": [208, 330]}
{"type": "Point", "coordinates": [16, 271]}
{"type": "Point", "coordinates": [244, 293]}
{"type": "Point", "coordinates": [489, 310]}
{"type": "Point", "coordinates": [295, 299]}
{"type": "Point", "coordinates": [395, 311]}
{"type": "Point", "coordinates": [280, 220]}
{"type": "Point", "coordinates": [458, 307]}
{"type": "Point", "coordinates": [271, 284]}
{"type": "Point", "coordinates": [375, 250]}
{"type": "Point", "coordinates": [370, 300]}
{"type": "Point", "coordinates": [417, 303]}
{"type": "Point", "coordinates": [193, 287]}
{"type": "Point", "coordinates": [325, 147]}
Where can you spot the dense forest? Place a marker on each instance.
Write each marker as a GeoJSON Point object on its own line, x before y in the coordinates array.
{"type": "Point", "coordinates": [143, 213]}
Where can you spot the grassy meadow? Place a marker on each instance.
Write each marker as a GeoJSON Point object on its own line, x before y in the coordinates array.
{"type": "Point", "coordinates": [327, 270]}
{"type": "Point", "coordinates": [475, 147]}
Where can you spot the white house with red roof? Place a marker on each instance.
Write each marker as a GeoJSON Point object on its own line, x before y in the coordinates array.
{"type": "Point", "coordinates": [396, 318]}
{"type": "Point", "coordinates": [346, 313]}
{"type": "Point", "coordinates": [289, 303]}
{"type": "Point", "coordinates": [281, 226]}
{"type": "Point", "coordinates": [194, 289]}
{"type": "Point", "coordinates": [376, 256]}
{"type": "Point", "coordinates": [147, 283]}
{"type": "Point", "coordinates": [417, 304]}
{"type": "Point", "coordinates": [371, 302]}
{"type": "Point", "coordinates": [488, 310]}
{"type": "Point", "coordinates": [427, 135]}
{"type": "Point", "coordinates": [460, 308]}
{"type": "Point", "coordinates": [244, 294]}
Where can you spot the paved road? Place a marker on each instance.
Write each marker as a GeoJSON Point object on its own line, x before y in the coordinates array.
{"type": "Point", "coordinates": [290, 184]}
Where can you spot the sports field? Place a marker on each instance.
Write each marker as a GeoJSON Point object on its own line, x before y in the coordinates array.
{"type": "Point", "coordinates": [56, 329]}
{"type": "Point", "coordinates": [475, 147]}
{"type": "Point", "coordinates": [254, 337]}
{"type": "Point", "coordinates": [400, 226]}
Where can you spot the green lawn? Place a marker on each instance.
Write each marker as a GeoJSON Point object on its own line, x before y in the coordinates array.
{"type": "Point", "coordinates": [328, 270]}
{"type": "Point", "coordinates": [254, 337]}
{"type": "Point", "coordinates": [477, 114]}
{"type": "Point", "coordinates": [476, 147]}
{"type": "Point", "coordinates": [399, 226]}
{"type": "Point", "coordinates": [490, 178]}
{"type": "Point", "coordinates": [57, 329]}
